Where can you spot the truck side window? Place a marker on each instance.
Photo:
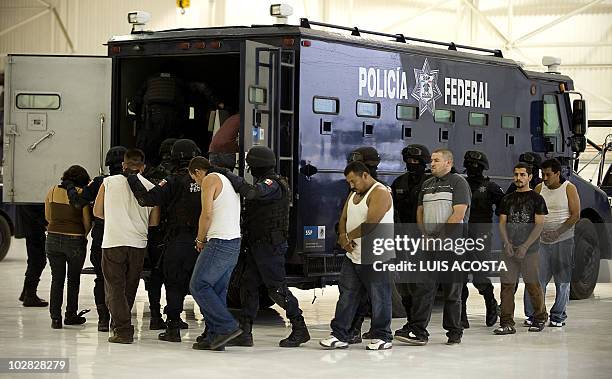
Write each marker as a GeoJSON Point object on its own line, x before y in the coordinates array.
{"type": "Point", "coordinates": [406, 112]}
{"type": "Point", "coordinates": [478, 119]}
{"type": "Point", "coordinates": [368, 109]}
{"type": "Point", "coordinates": [444, 116]}
{"type": "Point", "coordinates": [551, 116]}
{"type": "Point", "coordinates": [510, 122]}
{"type": "Point", "coordinates": [325, 105]}
{"type": "Point", "coordinates": [38, 101]}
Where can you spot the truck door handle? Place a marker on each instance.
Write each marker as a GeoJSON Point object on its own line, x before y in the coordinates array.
{"type": "Point", "coordinates": [102, 120]}
{"type": "Point", "coordinates": [35, 144]}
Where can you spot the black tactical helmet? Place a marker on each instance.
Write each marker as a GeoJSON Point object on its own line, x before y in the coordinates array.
{"type": "Point", "coordinates": [366, 154]}
{"type": "Point", "coordinates": [416, 151]}
{"type": "Point", "coordinates": [184, 149]}
{"type": "Point", "coordinates": [166, 146]}
{"type": "Point", "coordinates": [475, 156]}
{"type": "Point", "coordinates": [532, 159]}
{"type": "Point", "coordinates": [114, 156]}
{"type": "Point", "coordinates": [261, 156]}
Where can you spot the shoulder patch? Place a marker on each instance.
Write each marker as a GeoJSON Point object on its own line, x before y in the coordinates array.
{"type": "Point", "coordinates": [163, 182]}
{"type": "Point", "coordinates": [269, 182]}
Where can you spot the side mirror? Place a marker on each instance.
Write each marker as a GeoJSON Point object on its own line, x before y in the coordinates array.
{"type": "Point", "coordinates": [579, 117]}
{"type": "Point", "coordinates": [578, 144]}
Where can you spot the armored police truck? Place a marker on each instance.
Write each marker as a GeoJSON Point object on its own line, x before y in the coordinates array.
{"type": "Point", "coordinates": [312, 93]}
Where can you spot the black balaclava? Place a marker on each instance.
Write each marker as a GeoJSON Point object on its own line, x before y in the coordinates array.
{"type": "Point", "coordinates": [417, 169]}
{"type": "Point", "coordinates": [474, 170]}
{"type": "Point", "coordinates": [260, 172]}
{"type": "Point", "coordinates": [373, 171]}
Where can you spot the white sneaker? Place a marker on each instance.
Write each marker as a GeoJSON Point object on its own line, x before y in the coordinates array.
{"type": "Point", "coordinates": [332, 342]}
{"type": "Point", "coordinates": [379, 345]}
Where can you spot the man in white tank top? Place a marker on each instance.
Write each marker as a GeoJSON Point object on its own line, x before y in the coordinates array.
{"type": "Point", "coordinates": [557, 239]}
{"type": "Point", "coordinates": [126, 227]}
{"type": "Point", "coordinates": [370, 203]}
{"type": "Point", "coordinates": [218, 242]}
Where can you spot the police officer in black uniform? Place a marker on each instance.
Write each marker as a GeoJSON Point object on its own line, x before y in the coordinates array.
{"type": "Point", "coordinates": [166, 166]}
{"type": "Point", "coordinates": [155, 246]}
{"type": "Point", "coordinates": [535, 161]}
{"type": "Point", "coordinates": [265, 228]}
{"type": "Point", "coordinates": [113, 160]}
{"type": "Point", "coordinates": [406, 190]}
{"type": "Point", "coordinates": [486, 194]}
{"type": "Point", "coordinates": [31, 217]}
{"type": "Point", "coordinates": [180, 196]}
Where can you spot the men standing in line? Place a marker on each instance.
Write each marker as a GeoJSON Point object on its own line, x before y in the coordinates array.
{"type": "Point", "coordinates": [557, 240]}
{"type": "Point", "coordinates": [218, 242]}
{"type": "Point", "coordinates": [114, 161]}
{"type": "Point", "coordinates": [180, 195]}
{"type": "Point", "coordinates": [368, 205]}
{"type": "Point", "coordinates": [520, 223]}
{"type": "Point", "coordinates": [486, 194]}
{"type": "Point", "coordinates": [444, 199]}
{"type": "Point", "coordinates": [266, 228]}
{"type": "Point", "coordinates": [406, 190]}
{"type": "Point", "coordinates": [124, 243]}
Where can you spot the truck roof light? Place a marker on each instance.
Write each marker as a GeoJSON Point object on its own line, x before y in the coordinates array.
{"type": "Point", "coordinates": [116, 49]}
{"type": "Point", "coordinates": [281, 12]}
{"type": "Point", "coordinates": [561, 87]}
{"type": "Point", "coordinates": [184, 45]}
{"type": "Point", "coordinates": [199, 44]}
{"type": "Point", "coordinates": [214, 44]}
{"type": "Point", "coordinates": [288, 42]}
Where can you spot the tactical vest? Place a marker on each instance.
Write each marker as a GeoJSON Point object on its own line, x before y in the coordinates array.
{"type": "Point", "coordinates": [481, 208]}
{"type": "Point", "coordinates": [267, 221]}
{"type": "Point", "coordinates": [184, 209]}
{"type": "Point", "coordinates": [163, 89]}
{"type": "Point", "coordinates": [406, 196]}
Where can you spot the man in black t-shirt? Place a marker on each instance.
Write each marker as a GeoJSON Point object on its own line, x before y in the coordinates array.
{"type": "Point", "coordinates": [521, 221]}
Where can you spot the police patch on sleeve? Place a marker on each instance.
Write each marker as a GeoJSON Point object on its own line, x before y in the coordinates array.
{"type": "Point", "coordinates": [269, 182]}
{"type": "Point", "coordinates": [163, 183]}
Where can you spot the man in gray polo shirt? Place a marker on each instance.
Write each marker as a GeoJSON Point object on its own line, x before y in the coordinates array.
{"type": "Point", "coordinates": [444, 199]}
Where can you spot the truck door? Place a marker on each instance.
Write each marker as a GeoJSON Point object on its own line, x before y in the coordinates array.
{"type": "Point", "coordinates": [57, 114]}
{"type": "Point", "coordinates": [261, 101]}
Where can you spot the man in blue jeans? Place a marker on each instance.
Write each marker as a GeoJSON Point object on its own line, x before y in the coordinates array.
{"type": "Point", "coordinates": [368, 205]}
{"type": "Point", "coordinates": [557, 240]}
{"type": "Point", "coordinates": [218, 241]}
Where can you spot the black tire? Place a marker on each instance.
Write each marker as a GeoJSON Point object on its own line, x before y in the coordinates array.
{"type": "Point", "coordinates": [233, 292]}
{"type": "Point", "coordinates": [586, 260]}
{"type": "Point", "coordinates": [5, 237]}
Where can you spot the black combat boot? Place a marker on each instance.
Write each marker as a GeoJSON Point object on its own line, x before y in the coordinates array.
{"type": "Point", "coordinates": [492, 311]}
{"type": "Point", "coordinates": [299, 334]}
{"type": "Point", "coordinates": [103, 318]}
{"type": "Point", "coordinates": [31, 299]}
{"type": "Point", "coordinates": [156, 322]}
{"type": "Point", "coordinates": [246, 338]}
{"type": "Point", "coordinates": [464, 319]}
{"type": "Point", "coordinates": [74, 318]}
{"type": "Point", "coordinates": [172, 333]}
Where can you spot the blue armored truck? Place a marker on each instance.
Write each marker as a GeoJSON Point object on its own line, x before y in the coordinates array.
{"type": "Point", "coordinates": [313, 93]}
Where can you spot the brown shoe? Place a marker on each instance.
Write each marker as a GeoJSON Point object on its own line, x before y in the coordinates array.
{"type": "Point", "coordinates": [124, 336]}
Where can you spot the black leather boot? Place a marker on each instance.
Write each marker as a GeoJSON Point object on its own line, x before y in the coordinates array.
{"type": "Point", "coordinates": [103, 318]}
{"type": "Point", "coordinates": [246, 338]}
{"type": "Point", "coordinates": [299, 334]}
{"type": "Point", "coordinates": [172, 333]}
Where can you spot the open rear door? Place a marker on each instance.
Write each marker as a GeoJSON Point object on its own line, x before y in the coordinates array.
{"type": "Point", "coordinates": [57, 114]}
{"type": "Point", "coordinates": [261, 101]}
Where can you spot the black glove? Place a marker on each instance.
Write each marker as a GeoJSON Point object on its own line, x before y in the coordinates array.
{"type": "Point", "coordinates": [127, 173]}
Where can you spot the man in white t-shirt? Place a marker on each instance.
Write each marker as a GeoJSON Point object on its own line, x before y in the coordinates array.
{"type": "Point", "coordinates": [126, 225]}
